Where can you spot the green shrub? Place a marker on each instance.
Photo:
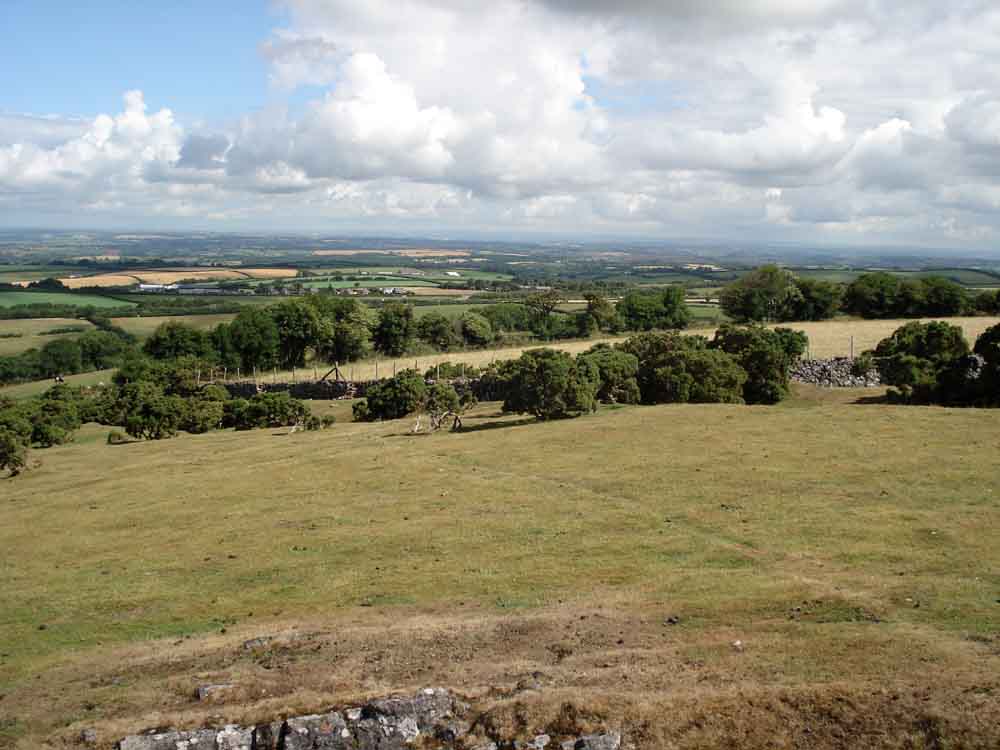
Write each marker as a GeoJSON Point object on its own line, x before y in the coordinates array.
{"type": "Point", "coordinates": [13, 452]}
{"type": "Point", "coordinates": [551, 384]}
{"type": "Point", "coordinates": [116, 437]}
{"type": "Point", "coordinates": [402, 394]}
{"type": "Point", "coordinates": [918, 358]}
{"type": "Point", "coordinates": [764, 355]}
{"type": "Point", "coordinates": [617, 371]}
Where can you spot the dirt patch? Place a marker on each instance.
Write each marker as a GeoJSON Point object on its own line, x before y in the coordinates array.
{"type": "Point", "coordinates": [568, 671]}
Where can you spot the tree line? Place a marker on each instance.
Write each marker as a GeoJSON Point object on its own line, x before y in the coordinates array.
{"type": "Point", "coordinates": [771, 293]}
{"type": "Point", "coordinates": [739, 365]}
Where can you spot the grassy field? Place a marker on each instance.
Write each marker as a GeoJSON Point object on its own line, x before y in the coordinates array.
{"type": "Point", "coordinates": [10, 299]}
{"type": "Point", "coordinates": [174, 275]}
{"type": "Point", "coordinates": [144, 326]}
{"type": "Point", "coordinates": [32, 332]}
{"type": "Point", "coordinates": [852, 550]}
{"type": "Point", "coordinates": [38, 387]}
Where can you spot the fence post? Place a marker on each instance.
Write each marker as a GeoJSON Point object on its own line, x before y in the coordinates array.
{"type": "Point", "coordinates": [852, 347]}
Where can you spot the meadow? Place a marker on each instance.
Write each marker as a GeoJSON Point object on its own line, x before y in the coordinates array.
{"type": "Point", "coordinates": [33, 333]}
{"type": "Point", "coordinates": [792, 569]}
{"type": "Point", "coordinates": [10, 299]}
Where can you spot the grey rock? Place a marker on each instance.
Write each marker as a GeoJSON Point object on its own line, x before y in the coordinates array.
{"type": "Point", "coordinates": [319, 732]}
{"type": "Point", "coordinates": [832, 373]}
{"type": "Point", "coordinates": [203, 739]}
{"type": "Point", "coordinates": [256, 643]}
{"type": "Point", "coordinates": [428, 707]}
{"type": "Point", "coordinates": [608, 741]}
{"type": "Point", "coordinates": [539, 742]}
{"type": "Point", "coordinates": [88, 737]}
{"type": "Point", "coordinates": [234, 738]}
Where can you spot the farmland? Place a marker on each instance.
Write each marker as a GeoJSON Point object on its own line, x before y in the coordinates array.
{"type": "Point", "coordinates": [34, 333]}
{"type": "Point", "coordinates": [10, 299]}
{"type": "Point", "coordinates": [174, 275]}
{"type": "Point", "coordinates": [859, 586]}
{"type": "Point", "coordinates": [142, 327]}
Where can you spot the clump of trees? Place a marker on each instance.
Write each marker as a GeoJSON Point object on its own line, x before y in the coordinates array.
{"type": "Point", "coordinates": [884, 295]}
{"type": "Point", "coordinates": [408, 393]}
{"type": "Point", "coordinates": [932, 363]}
{"type": "Point", "coordinates": [771, 293]}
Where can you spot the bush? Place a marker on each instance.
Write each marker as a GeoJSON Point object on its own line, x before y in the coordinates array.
{"type": "Point", "coordinates": [451, 371]}
{"type": "Point", "coordinates": [551, 384]}
{"type": "Point", "coordinates": [202, 416]}
{"type": "Point", "coordinates": [883, 295]}
{"type": "Point", "coordinates": [327, 420]}
{"type": "Point", "coordinates": [706, 376]}
{"type": "Point", "coordinates": [13, 452]}
{"type": "Point", "coordinates": [617, 371]}
{"type": "Point", "coordinates": [264, 410]}
{"type": "Point", "coordinates": [925, 362]}
{"type": "Point", "coordinates": [174, 339]}
{"type": "Point", "coordinates": [116, 437]}
{"type": "Point", "coordinates": [476, 329]}
{"type": "Point", "coordinates": [438, 331]}
{"type": "Point", "coordinates": [764, 355]}
{"type": "Point", "coordinates": [393, 398]}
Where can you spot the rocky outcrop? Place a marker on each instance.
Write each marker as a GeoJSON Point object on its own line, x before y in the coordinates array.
{"type": "Point", "coordinates": [433, 718]}
{"type": "Point", "coordinates": [833, 373]}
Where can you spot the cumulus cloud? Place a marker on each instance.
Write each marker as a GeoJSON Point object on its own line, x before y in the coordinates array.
{"type": "Point", "coordinates": [760, 118]}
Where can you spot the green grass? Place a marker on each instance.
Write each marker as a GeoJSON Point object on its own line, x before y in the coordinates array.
{"type": "Point", "coordinates": [33, 333]}
{"type": "Point", "coordinates": [10, 299]}
{"type": "Point", "coordinates": [108, 543]}
{"type": "Point", "coordinates": [38, 387]}
{"type": "Point", "coordinates": [142, 327]}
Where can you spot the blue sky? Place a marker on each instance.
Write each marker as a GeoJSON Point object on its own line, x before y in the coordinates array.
{"type": "Point", "coordinates": [76, 57]}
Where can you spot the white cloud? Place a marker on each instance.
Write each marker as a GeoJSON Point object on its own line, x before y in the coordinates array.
{"type": "Point", "coordinates": [759, 118]}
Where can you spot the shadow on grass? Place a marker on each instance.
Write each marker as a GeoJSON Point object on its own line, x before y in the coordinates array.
{"type": "Point", "coordinates": [883, 399]}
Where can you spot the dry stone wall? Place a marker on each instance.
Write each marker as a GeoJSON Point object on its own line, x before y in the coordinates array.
{"type": "Point", "coordinates": [433, 718]}
{"type": "Point", "coordinates": [833, 373]}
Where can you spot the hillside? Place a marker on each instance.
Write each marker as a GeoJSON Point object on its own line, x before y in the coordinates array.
{"type": "Point", "coordinates": [613, 561]}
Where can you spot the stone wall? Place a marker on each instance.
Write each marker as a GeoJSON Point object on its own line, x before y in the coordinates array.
{"type": "Point", "coordinates": [833, 373]}
{"type": "Point", "coordinates": [432, 717]}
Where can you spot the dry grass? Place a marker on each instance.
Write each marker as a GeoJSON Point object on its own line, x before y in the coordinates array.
{"type": "Point", "coordinates": [174, 275]}
{"type": "Point", "coordinates": [32, 331]}
{"type": "Point", "coordinates": [104, 279]}
{"type": "Point", "coordinates": [852, 549]}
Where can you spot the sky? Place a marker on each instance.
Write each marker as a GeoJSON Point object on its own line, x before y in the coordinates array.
{"type": "Point", "coordinates": [827, 122]}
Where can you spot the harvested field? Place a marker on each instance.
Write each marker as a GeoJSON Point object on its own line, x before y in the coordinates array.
{"type": "Point", "coordinates": [701, 576]}
{"type": "Point", "coordinates": [104, 279]}
{"type": "Point", "coordinates": [32, 333]}
{"type": "Point", "coordinates": [174, 275]}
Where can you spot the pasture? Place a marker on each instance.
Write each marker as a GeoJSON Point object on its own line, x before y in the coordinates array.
{"type": "Point", "coordinates": [32, 333]}
{"type": "Point", "coordinates": [142, 327]}
{"type": "Point", "coordinates": [11, 299]}
{"type": "Point", "coordinates": [599, 555]}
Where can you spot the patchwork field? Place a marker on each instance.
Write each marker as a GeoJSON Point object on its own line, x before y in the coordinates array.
{"type": "Point", "coordinates": [11, 299]}
{"type": "Point", "coordinates": [32, 333]}
{"type": "Point", "coordinates": [403, 253]}
{"type": "Point", "coordinates": [712, 576]}
{"type": "Point", "coordinates": [174, 275]}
